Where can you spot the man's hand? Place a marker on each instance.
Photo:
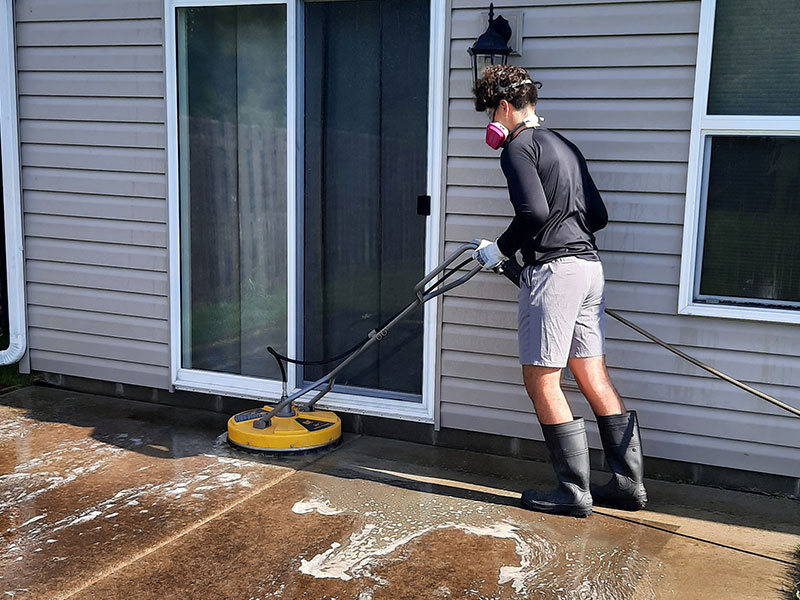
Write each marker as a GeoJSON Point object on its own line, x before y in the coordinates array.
{"type": "Point", "coordinates": [488, 254]}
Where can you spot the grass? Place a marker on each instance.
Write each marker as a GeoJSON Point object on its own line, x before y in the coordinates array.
{"type": "Point", "coordinates": [793, 576]}
{"type": "Point", "coordinates": [10, 377]}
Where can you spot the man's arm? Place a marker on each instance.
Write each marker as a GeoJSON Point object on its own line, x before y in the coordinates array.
{"type": "Point", "coordinates": [527, 195]}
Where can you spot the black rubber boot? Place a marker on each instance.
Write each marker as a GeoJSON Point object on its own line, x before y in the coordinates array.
{"type": "Point", "coordinates": [623, 449]}
{"type": "Point", "coordinates": [569, 453]}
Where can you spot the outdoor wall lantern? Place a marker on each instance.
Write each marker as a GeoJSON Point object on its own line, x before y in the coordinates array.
{"type": "Point", "coordinates": [491, 48]}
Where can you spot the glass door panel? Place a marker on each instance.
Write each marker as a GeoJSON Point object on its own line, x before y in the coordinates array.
{"type": "Point", "coordinates": [365, 163]}
{"type": "Point", "coordinates": [232, 149]}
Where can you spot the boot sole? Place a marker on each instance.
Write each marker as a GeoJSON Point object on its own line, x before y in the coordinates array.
{"type": "Point", "coordinates": [561, 510]}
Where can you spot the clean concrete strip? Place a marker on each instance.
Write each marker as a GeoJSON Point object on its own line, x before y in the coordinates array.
{"type": "Point", "coordinates": [602, 512]}
{"type": "Point", "coordinates": [201, 523]}
{"type": "Point", "coordinates": [634, 521]}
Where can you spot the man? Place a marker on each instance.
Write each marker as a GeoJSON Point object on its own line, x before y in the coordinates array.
{"type": "Point", "coordinates": [561, 301]}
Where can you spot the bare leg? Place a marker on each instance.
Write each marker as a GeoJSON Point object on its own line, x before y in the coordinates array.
{"type": "Point", "coordinates": [544, 388]}
{"type": "Point", "coordinates": [595, 383]}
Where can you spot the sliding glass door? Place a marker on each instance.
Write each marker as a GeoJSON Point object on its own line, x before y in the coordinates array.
{"type": "Point", "coordinates": [232, 124]}
{"type": "Point", "coordinates": [366, 112]}
{"type": "Point", "coordinates": [322, 256]}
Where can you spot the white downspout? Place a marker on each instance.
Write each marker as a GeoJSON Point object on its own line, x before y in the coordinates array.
{"type": "Point", "coordinates": [12, 199]}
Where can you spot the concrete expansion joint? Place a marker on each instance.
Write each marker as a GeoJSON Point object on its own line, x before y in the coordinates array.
{"type": "Point", "coordinates": [198, 524]}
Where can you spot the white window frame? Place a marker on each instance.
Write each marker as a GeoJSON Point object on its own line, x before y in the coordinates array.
{"type": "Point", "coordinates": [262, 389]}
{"type": "Point", "coordinates": [703, 127]}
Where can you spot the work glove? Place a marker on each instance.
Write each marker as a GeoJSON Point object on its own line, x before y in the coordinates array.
{"type": "Point", "coordinates": [488, 254]}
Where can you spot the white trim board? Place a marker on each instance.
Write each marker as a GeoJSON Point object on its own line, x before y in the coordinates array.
{"type": "Point", "coordinates": [704, 126]}
{"type": "Point", "coordinates": [249, 387]}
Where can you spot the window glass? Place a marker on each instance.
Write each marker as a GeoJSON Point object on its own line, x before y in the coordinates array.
{"type": "Point", "coordinates": [751, 248]}
{"type": "Point", "coordinates": [366, 112]}
{"type": "Point", "coordinates": [755, 61]}
{"type": "Point", "coordinates": [232, 127]}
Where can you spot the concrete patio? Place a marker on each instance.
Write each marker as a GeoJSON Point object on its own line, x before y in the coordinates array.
{"type": "Point", "coordinates": [102, 498]}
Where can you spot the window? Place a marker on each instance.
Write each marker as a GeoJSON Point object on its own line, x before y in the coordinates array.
{"type": "Point", "coordinates": [741, 255]}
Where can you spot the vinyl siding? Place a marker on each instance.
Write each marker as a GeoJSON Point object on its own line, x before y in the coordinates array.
{"type": "Point", "coordinates": [92, 134]}
{"type": "Point", "coordinates": [618, 80]}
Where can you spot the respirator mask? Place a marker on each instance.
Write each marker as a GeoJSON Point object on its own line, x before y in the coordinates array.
{"type": "Point", "coordinates": [496, 133]}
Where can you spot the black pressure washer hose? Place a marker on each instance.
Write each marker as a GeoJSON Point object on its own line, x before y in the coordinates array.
{"type": "Point", "coordinates": [512, 270]}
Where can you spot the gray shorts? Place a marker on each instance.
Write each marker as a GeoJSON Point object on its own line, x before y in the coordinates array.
{"type": "Point", "coordinates": [561, 312]}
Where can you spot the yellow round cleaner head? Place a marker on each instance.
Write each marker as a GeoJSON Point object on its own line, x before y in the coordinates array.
{"type": "Point", "coordinates": [297, 433]}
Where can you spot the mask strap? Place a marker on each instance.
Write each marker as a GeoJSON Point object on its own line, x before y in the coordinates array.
{"type": "Point", "coordinates": [511, 133]}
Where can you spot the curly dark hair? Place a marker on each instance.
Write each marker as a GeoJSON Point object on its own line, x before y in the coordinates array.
{"type": "Point", "coordinates": [505, 82]}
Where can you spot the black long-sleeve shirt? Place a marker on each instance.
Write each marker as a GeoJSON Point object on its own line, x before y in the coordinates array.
{"type": "Point", "coordinates": [556, 204]}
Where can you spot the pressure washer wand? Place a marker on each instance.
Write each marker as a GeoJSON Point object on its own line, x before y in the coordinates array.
{"type": "Point", "coordinates": [434, 284]}
{"type": "Point", "coordinates": [513, 271]}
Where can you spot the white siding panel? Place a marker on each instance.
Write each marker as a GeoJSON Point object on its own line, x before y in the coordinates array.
{"type": "Point", "coordinates": [134, 32]}
{"type": "Point", "coordinates": [641, 267]}
{"type": "Point", "coordinates": [708, 392]}
{"type": "Point", "coordinates": [644, 208]}
{"type": "Point", "coordinates": [120, 160]}
{"type": "Point", "coordinates": [490, 419]}
{"type": "Point", "coordinates": [99, 368]}
{"type": "Point", "coordinates": [704, 332]}
{"type": "Point", "coordinates": [98, 346]}
{"type": "Point", "coordinates": [100, 254]}
{"type": "Point", "coordinates": [77, 133]}
{"type": "Point", "coordinates": [92, 134]}
{"type": "Point", "coordinates": [128, 208]}
{"type": "Point", "coordinates": [630, 18]}
{"type": "Point", "coordinates": [58, 10]}
{"type": "Point", "coordinates": [100, 301]}
{"type": "Point", "coordinates": [91, 58]}
{"type": "Point", "coordinates": [91, 84]}
{"type": "Point", "coordinates": [98, 277]}
{"type": "Point", "coordinates": [99, 324]}
{"type": "Point", "coordinates": [130, 233]}
{"type": "Point", "coordinates": [723, 452]}
{"type": "Point", "coordinates": [124, 110]}
{"type": "Point", "coordinates": [145, 185]}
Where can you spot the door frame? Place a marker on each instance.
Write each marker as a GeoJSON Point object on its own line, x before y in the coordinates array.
{"type": "Point", "coordinates": [256, 388]}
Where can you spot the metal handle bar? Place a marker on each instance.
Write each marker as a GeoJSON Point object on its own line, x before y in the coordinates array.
{"type": "Point", "coordinates": [419, 288]}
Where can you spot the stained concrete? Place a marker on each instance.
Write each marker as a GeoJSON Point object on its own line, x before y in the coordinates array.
{"type": "Point", "coordinates": [106, 498]}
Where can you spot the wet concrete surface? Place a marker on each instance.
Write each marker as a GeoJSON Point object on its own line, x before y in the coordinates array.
{"type": "Point", "coordinates": [105, 498]}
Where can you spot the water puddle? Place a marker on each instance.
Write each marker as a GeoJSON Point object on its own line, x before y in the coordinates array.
{"type": "Point", "coordinates": [548, 563]}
